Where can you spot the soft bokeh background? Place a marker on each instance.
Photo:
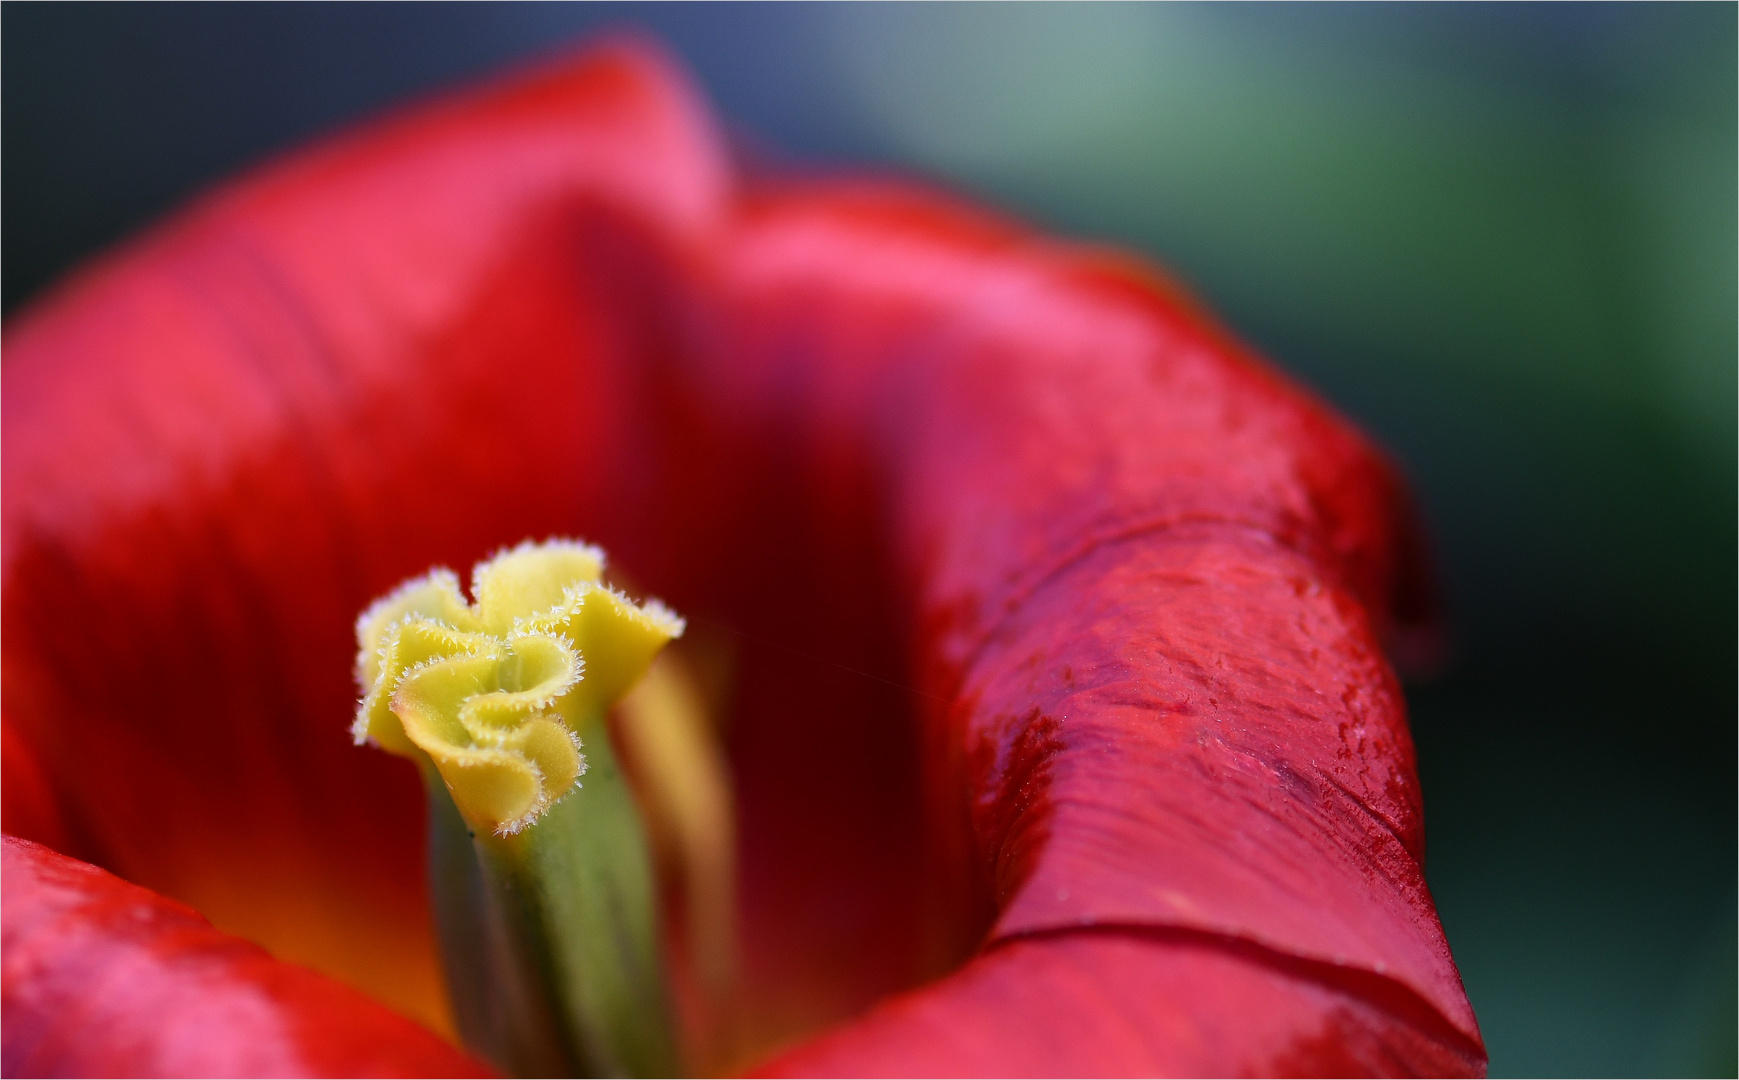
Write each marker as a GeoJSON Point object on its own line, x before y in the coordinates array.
{"type": "Point", "coordinates": [1502, 237]}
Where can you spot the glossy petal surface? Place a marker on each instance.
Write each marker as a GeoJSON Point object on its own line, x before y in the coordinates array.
{"type": "Point", "coordinates": [103, 978]}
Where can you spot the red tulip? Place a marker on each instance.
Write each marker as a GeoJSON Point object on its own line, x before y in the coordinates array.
{"type": "Point", "coordinates": [1145, 804]}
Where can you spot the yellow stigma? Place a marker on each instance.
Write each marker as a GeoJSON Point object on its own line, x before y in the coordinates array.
{"type": "Point", "coordinates": [494, 692]}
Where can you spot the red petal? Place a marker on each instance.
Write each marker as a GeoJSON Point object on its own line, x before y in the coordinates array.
{"type": "Point", "coordinates": [103, 978]}
{"type": "Point", "coordinates": [1128, 1003]}
{"type": "Point", "coordinates": [221, 442]}
{"type": "Point", "coordinates": [1147, 571]}
{"type": "Point", "coordinates": [1143, 577]}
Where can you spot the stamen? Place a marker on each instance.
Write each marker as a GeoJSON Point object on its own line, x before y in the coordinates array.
{"type": "Point", "coordinates": [492, 693]}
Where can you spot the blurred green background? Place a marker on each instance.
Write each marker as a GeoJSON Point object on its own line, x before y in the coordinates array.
{"type": "Point", "coordinates": [1501, 236]}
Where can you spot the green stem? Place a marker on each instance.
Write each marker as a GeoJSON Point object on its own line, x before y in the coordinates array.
{"type": "Point", "coordinates": [550, 937]}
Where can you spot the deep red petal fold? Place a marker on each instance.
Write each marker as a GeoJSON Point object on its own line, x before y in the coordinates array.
{"type": "Point", "coordinates": [1150, 577]}
{"type": "Point", "coordinates": [103, 978]}
{"type": "Point", "coordinates": [1154, 759]}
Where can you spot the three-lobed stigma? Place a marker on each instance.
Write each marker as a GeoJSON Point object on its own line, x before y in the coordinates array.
{"type": "Point", "coordinates": [493, 692]}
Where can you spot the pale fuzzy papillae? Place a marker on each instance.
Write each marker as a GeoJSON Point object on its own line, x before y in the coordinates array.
{"type": "Point", "coordinates": [492, 692]}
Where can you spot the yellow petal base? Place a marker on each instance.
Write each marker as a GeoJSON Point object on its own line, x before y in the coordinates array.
{"type": "Point", "coordinates": [493, 692]}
